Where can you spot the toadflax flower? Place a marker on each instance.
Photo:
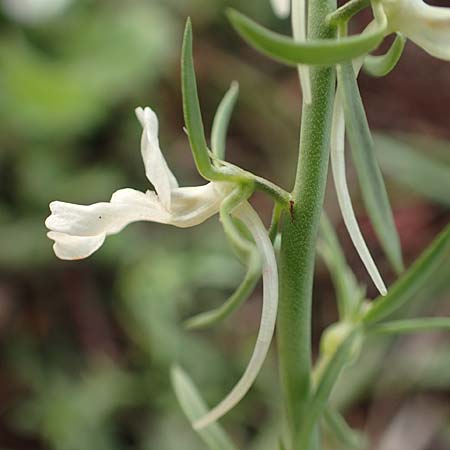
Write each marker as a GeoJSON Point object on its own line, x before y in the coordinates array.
{"type": "Point", "coordinates": [80, 230]}
{"type": "Point", "coordinates": [427, 26]}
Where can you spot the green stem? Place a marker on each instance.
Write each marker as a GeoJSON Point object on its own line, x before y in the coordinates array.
{"type": "Point", "coordinates": [299, 233]}
{"type": "Point", "coordinates": [347, 11]}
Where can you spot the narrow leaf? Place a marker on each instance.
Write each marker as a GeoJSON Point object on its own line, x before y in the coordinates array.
{"type": "Point", "coordinates": [380, 66]}
{"type": "Point", "coordinates": [193, 115]}
{"type": "Point", "coordinates": [337, 155]}
{"type": "Point", "coordinates": [194, 407]}
{"type": "Point", "coordinates": [369, 173]}
{"type": "Point", "coordinates": [414, 279]}
{"type": "Point", "coordinates": [191, 105]}
{"type": "Point", "coordinates": [222, 120]}
{"type": "Point", "coordinates": [324, 52]}
{"type": "Point", "coordinates": [412, 325]}
{"type": "Point", "coordinates": [319, 401]}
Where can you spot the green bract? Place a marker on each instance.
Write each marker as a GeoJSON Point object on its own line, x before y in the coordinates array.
{"type": "Point", "coordinates": [193, 116]}
{"type": "Point", "coordinates": [322, 52]}
{"type": "Point", "coordinates": [196, 132]}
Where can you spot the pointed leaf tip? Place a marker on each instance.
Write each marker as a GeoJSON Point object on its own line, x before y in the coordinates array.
{"type": "Point", "coordinates": [191, 107]}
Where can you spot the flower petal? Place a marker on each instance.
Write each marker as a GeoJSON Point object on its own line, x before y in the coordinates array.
{"type": "Point", "coordinates": [126, 206]}
{"type": "Point", "coordinates": [282, 8]}
{"type": "Point", "coordinates": [75, 247]}
{"type": "Point", "coordinates": [427, 26]}
{"type": "Point", "coordinates": [343, 195]}
{"type": "Point", "coordinates": [156, 168]}
{"type": "Point", "coordinates": [193, 205]}
{"type": "Point", "coordinates": [101, 219]}
{"type": "Point", "coordinates": [270, 303]}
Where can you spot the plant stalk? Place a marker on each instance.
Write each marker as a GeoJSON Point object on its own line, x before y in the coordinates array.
{"type": "Point", "coordinates": [299, 233]}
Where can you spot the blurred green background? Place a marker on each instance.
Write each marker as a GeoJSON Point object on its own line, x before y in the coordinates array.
{"type": "Point", "coordinates": [86, 347]}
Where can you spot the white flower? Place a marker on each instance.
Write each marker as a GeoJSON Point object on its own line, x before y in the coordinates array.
{"type": "Point", "coordinates": [79, 230]}
{"type": "Point", "coordinates": [34, 11]}
{"type": "Point", "coordinates": [282, 8]}
{"type": "Point", "coordinates": [427, 26]}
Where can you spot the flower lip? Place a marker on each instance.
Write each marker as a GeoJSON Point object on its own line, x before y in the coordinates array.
{"type": "Point", "coordinates": [75, 247]}
{"type": "Point", "coordinates": [80, 230]}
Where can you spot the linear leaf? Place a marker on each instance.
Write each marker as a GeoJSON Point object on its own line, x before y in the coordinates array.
{"type": "Point", "coordinates": [413, 279]}
{"type": "Point", "coordinates": [325, 52]}
{"type": "Point", "coordinates": [319, 401]}
{"type": "Point", "coordinates": [194, 407]}
{"type": "Point", "coordinates": [191, 106]}
{"type": "Point", "coordinates": [412, 325]}
{"type": "Point", "coordinates": [193, 116]}
{"type": "Point", "coordinates": [369, 173]}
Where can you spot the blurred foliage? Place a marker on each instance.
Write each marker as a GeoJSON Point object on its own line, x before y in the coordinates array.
{"type": "Point", "coordinates": [86, 347]}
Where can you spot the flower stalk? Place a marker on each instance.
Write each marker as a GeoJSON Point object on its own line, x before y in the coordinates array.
{"type": "Point", "coordinates": [299, 233]}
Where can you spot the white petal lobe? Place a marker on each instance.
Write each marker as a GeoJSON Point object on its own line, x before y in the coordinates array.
{"type": "Point", "coordinates": [75, 247]}
{"type": "Point", "coordinates": [193, 205]}
{"type": "Point", "coordinates": [270, 303]}
{"type": "Point", "coordinates": [343, 195]}
{"type": "Point", "coordinates": [126, 206]}
{"type": "Point", "coordinates": [156, 168]}
{"type": "Point", "coordinates": [87, 225]}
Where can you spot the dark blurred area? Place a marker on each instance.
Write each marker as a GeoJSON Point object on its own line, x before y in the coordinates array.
{"type": "Point", "coordinates": [86, 347]}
